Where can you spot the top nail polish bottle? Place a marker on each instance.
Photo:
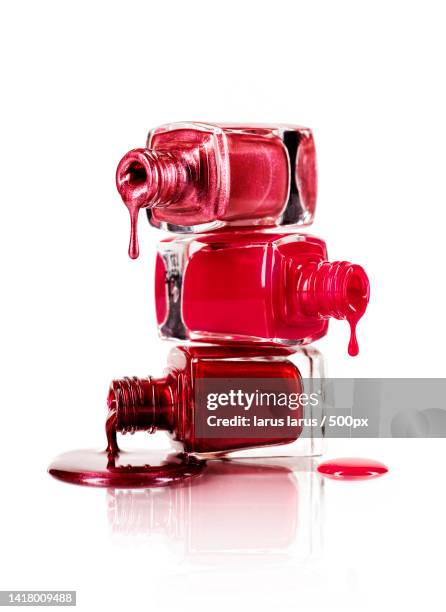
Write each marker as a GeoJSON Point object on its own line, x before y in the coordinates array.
{"type": "Point", "coordinates": [195, 177]}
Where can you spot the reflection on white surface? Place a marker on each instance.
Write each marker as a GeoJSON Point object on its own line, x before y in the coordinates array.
{"type": "Point", "coordinates": [265, 508]}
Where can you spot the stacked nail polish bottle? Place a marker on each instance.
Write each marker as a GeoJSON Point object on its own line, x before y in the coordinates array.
{"type": "Point", "coordinates": [237, 286]}
{"type": "Point", "coordinates": [241, 292]}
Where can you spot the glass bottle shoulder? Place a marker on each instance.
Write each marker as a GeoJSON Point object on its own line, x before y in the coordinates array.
{"type": "Point", "coordinates": [245, 238]}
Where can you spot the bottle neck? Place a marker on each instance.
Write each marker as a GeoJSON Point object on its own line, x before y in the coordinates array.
{"type": "Point", "coordinates": [332, 289]}
{"type": "Point", "coordinates": [147, 178]}
{"type": "Point", "coordinates": [142, 404]}
{"type": "Point", "coordinates": [338, 290]}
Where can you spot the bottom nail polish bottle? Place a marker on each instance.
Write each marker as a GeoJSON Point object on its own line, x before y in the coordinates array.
{"type": "Point", "coordinates": [226, 400]}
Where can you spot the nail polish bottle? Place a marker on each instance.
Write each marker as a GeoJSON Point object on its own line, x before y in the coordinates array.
{"type": "Point", "coordinates": [220, 400]}
{"type": "Point", "coordinates": [194, 177]}
{"type": "Point", "coordinates": [263, 286]}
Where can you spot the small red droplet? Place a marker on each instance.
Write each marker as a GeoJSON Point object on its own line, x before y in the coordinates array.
{"type": "Point", "coordinates": [352, 468]}
{"type": "Point", "coordinates": [353, 347]}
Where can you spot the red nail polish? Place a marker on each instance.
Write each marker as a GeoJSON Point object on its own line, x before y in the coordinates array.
{"type": "Point", "coordinates": [125, 470]}
{"type": "Point", "coordinates": [197, 176]}
{"type": "Point", "coordinates": [352, 468]}
{"type": "Point", "coordinates": [255, 286]}
{"type": "Point", "coordinates": [200, 382]}
{"type": "Point", "coordinates": [218, 400]}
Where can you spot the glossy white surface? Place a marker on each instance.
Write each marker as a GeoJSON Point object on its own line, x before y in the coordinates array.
{"type": "Point", "coordinates": [240, 541]}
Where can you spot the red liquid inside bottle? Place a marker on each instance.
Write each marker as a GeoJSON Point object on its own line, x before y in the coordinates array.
{"type": "Point", "coordinates": [265, 286]}
{"type": "Point", "coordinates": [197, 176]}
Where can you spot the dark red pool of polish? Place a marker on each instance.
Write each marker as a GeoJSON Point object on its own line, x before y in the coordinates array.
{"type": "Point", "coordinates": [136, 469]}
{"type": "Point", "coordinates": [352, 468]}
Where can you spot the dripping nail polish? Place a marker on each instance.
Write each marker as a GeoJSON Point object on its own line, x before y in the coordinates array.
{"type": "Point", "coordinates": [178, 403]}
{"type": "Point", "coordinates": [268, 286]}
{"type": "Point", "coordinates": [193, 177]}
{"type": "Point", "coordinates": [216, 400]}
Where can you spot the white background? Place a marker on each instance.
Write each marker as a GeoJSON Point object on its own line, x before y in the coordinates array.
{"type": "Point", "coordinates": [81, 83]}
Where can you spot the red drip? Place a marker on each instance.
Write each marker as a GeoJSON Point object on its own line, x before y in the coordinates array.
{"type": "Point", "coordinates": [335, 289]}
{"type": "Point", "coordinates": [350, 468]}
{"type": "Point", "coordinates": [110, 431]}
{"type": "Point", "coordinates": [353, 347]}
{"type": "Point", "coordinates": [147, 179]}
{"type": "Point", "coordinates": [135, 182]}
{"type": "Point", "coordinates": [133, 245]}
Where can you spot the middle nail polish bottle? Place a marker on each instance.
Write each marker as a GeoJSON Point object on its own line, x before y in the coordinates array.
{"type": "Point", "coordinates": [255, 286]}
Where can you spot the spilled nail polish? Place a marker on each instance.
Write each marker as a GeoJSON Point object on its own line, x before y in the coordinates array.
{"type": "Point", "coordinates": [352, 468]}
